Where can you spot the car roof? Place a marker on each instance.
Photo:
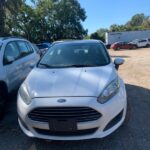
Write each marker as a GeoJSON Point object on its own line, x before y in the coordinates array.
{"type": "Point", "coordinates": [3, 39]}
{"type": "Point", "coordinates": [79, 42]}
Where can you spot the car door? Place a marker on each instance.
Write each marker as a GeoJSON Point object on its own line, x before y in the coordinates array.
{"type": "Point", "coordinates": [32, 58]}
{"type": "Point", "coordinates": [142, 43]}
{"type": "Point", "coordinates": [123, 45]}
{"type": "Point", "coordinates": [28, 57]}
{"type": "Point", "coordinates": [13, 68]}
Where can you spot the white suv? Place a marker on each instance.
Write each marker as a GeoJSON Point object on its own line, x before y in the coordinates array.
{"type": "Point", "coordinates": [17, 57]}
{"type": "Point", "coordinates": [142, 42]}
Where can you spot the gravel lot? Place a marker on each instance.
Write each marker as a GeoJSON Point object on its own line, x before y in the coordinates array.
{"type": "Point", "coordinates": [134, 134]}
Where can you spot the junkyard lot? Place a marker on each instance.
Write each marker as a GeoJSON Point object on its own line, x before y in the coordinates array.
{"type": "Point", "coordinates": [134, 134]}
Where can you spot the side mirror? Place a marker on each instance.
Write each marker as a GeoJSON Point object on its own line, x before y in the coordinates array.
{"type": "Point", "coordinates": [118, 61]}
{"type": "Point", "coordinates": [10, 59]}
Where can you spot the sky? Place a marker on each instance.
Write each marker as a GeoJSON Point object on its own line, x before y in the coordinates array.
{"type": "Point", "coordinates": [103, 13]}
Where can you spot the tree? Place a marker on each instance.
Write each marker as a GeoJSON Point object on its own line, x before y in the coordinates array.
{"type": "Point", "coordinates": [51, 20]}
{"type": "Point", "coordinates": [136, 20]}
{"type": "Point", "coordinates": [101, 32]}
{"type": "Point", "coordinates": [95, 36]}
{"type": "Point", "coordinates": [8, 9]}
{"type": "Point", "coordinates": [2, 17]}
{"type": "Point", "coordinates": [115, 28]}
{"type": "Point", "coordinates": [139, 22]}
{"type": "Point", "coordinates": [67, 20]}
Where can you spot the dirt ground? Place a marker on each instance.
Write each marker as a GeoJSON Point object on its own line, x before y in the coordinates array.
{"type": "Point", "coordinates": [133, 134]}
{"type": "Point", "coordinates": [136, 69]}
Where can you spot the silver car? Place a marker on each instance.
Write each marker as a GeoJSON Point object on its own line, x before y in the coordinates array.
{"type": "Point", "coordinates": [73, 93]}
{"type": "Point", "coordinates": [16, 58]}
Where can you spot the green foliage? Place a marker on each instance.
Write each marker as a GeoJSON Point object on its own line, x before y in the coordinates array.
{"type": "Point", "coordinates": [8, 11]}
{"type": "Point", "coordinates": [48, 20]}
{"type": "Point", "coordinates": [137, 22]}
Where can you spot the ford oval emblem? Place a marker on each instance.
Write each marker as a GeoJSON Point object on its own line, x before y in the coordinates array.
{"type": "Point", "coordinates": [61, 100]}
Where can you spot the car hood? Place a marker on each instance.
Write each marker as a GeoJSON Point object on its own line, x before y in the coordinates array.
{"type": "Point", "coordinates": [64, 82]}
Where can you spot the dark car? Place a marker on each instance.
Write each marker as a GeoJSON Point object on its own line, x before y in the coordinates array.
{"type": "Point", "coordinates": [43, 47]}
{"type": "Point", "coordinates": [123, 45]}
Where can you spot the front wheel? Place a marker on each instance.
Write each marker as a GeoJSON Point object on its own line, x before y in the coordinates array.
{"type": "Point", "coordinates": [118, 48]}
{"type": "Point", "coordinates": [134, 47]}
{"type": "Point", "coordinates": [2, 102]}
{"type": "Point", "coordinates": [147, 45]}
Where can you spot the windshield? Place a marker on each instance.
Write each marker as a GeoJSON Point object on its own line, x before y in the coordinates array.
{"type": "Point", "coordinates": [75, 55]}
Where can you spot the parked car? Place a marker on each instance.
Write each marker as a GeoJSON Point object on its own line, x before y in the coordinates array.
{"type": "Point", "coordinates": [141, 43]}
{"type": "Point", "coordinates": [80, 95]}
{"type": "Point", "coordinates": [37, 50]}
{"type": "Point", "coordinates": [56, 42]}
{"type": "Point", "coordinates": [43, 47]}
{"type": "Point", "coordinates": [123, 45]}
{"type": "Point", "coordinates": [16, 58]}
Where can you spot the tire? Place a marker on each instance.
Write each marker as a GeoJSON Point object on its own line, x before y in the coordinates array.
{"type": "Point", "coordinates": [3, 97]}
{"type": "Point", "coordinates": [134, 47]}
{"type": "Point", "coordinates": [147, 45]}
{"type": "Point", "coordinates": [118, 48]}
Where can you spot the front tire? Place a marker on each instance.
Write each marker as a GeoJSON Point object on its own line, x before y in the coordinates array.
{"type": "Point", "coordinates": [2, 102]}
{"type": "Point", "coordinates": [134, 47]}
{"type": "Point", "coordinates": [118, 48]}
{"type": "Point", "coordinates": [147, 45]}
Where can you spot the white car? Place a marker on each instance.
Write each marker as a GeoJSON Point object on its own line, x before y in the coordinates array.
{"type": "Point", "coordinates": [16, 58]}
{"type": "Point", "coordinates": [73, 93]}
{"type": "Point", "coordinates": [142, 43]}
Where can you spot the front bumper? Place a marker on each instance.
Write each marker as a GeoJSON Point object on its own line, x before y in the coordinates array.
{"type": "Point", "coordinates": [105, 125]}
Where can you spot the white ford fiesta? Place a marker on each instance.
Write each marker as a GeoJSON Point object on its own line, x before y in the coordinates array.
{"type": "Point", "coordinates": [73, 93]}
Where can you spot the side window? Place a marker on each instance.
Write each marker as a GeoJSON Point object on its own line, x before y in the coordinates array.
{"type": "Point", "coordinates": [29, 47]}
{"type": "Point", "coordinates": [142, 41]}
{"type": "Point", "coordinates": [11, 52]}
{"type": "Point", "coordinates": [24, 50]}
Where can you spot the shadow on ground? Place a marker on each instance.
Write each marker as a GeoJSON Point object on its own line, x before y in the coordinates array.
{"type": "Point", "coordinates": [134, 134]}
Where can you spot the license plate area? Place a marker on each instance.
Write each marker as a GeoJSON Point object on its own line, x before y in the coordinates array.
{"type": "Point", "coordinates": [62, 125]}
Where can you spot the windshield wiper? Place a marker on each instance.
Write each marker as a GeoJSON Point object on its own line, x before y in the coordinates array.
{"type": "Point", "coordinates": [63, 66]}
{"type": "Point", "coordinates": [45, 65]}
{"type": "Point", "coordinates": [81, 65]}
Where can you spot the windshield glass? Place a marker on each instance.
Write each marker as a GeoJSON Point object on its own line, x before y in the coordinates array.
{"type": "Point", "coordinates": [42, 46]}
{"type": "Point", "coordinates": [75, 55]}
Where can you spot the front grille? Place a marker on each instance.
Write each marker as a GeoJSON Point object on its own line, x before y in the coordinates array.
{"type": "Point", "coordinates": [70, 133]}
{"type": "Point", "coordinates": [80, 114]}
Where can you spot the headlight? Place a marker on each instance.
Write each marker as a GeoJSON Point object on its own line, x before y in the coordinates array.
{"type": "Point", "coordinates": [109, 91]}
{"type": "Point", "coordinates": [25, 94]}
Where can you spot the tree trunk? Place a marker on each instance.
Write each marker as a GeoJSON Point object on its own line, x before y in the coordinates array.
{"type": "Point", "coordinates": [2, 17]}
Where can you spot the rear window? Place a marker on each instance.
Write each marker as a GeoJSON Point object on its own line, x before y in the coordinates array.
{"type": "Point", "coordinates": [142, 41]}
{"type": "Point", "coordinates": [42, 46]}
